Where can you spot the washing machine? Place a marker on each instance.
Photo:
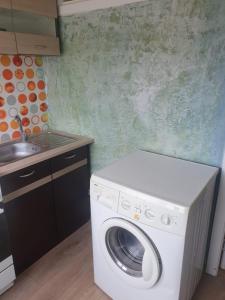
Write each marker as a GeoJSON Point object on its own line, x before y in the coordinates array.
{"type": "Point", "coordinates": [150, 217]}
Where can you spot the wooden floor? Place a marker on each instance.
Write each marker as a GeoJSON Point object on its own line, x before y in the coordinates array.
{"type": "Point", "coordinates": [66, 273]}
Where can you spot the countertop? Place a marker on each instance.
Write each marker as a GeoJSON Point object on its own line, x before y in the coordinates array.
{"type": "Point", "coordinates": [52, 143]}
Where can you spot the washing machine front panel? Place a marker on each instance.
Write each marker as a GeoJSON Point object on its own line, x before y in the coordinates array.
{"type": "Point", "coordinates": [116, 283]}
{"type": "Point", "coordinates": [130, 253]}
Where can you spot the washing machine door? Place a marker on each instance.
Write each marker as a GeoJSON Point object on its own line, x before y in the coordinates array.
{"type": "Point", "coordinates": [130, 253]}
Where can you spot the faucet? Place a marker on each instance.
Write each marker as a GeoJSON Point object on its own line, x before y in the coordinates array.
{"type": "Point", "coordinates": [24, 136]}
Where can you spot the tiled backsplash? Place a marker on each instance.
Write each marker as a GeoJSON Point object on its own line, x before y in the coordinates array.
{"type": "Point", "coordinates": [22, 92]}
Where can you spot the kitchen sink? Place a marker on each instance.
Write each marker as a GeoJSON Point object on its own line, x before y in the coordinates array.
{"type": "Point", "coordinates": [13, 151]}
{"type": "Point", "coordinates": [16, 151]}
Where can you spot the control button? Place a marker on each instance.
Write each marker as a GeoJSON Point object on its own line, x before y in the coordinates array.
{"type": "Point", "coordinates": [149, 214]}
{"type": "Point", "coordinates": [138, 210]}
{"type": "Point", "coordinates": [125, 204]}
{"type": "Point", "coordinates": [166, 220]}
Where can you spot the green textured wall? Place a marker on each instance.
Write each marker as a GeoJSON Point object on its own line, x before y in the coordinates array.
{"type": "Point", "coordinates": [149, 75]}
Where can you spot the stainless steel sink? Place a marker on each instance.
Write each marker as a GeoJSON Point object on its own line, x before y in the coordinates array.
{"type": "Point", "coordinates": [15, 151]}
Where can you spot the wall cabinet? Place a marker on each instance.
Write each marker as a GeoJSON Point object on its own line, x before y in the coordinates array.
{"type": "Point", "coordinates": [5, 4]}
{"type": "Point", "coordinates": [35, 26]}
{"type": "Point", "coordinates": [8, 44]}
{"type": "Point", "coordinates": [37, 44]}
{"type": "Point", "coordinates": [45, 203]}
{"type": "Point", "coordinates": [42, 7]}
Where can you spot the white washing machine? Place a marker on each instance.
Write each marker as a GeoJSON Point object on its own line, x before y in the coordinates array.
{"type": "Point", "coordinates": [150, 219]}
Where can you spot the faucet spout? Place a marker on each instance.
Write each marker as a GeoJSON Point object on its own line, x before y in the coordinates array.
{"type": "Point", "coordinates": [23, 134]}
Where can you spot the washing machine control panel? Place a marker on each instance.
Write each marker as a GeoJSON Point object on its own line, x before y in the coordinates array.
{"type": "Point", "coordinates": [147, 210]}
{"type": "Point", "coordinates": [153, 212]}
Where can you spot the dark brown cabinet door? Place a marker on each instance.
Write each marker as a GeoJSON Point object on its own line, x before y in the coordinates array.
{"type": "Point", "coordinates": [32, 226]}
{"type": "Point", "coordinates": [71, 194]}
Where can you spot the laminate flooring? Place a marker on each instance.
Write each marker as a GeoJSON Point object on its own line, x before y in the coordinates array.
{"type": "Point", "coordinates": [66, 273]}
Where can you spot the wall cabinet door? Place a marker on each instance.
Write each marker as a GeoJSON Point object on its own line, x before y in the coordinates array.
{"type": "Point", "coordinates": [28, 44]}
{"type": "Point", "coordinates": [7, 44]}
{"type": "Point", "coordinates": [5, 4]}
{"type": "Point", "coordinates": [72, 203]}
{"type": "Point", "coordinates": [32, 227]}
{"type": "Point", "coordinates": [37, 44]}
{"type": "Point", "coordinates": [42, 7]}
{"type": "Point", "coordinates": [35, 26]}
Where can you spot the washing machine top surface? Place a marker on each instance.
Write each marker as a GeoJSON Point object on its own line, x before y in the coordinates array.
{"type": "Point", "coordinates": [171, 179]}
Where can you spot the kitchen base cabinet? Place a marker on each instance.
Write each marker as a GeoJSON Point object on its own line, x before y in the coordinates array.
{"type": "Point", "coordinates": [32, 226]}
{"type": "Point", "coordinates": [72, 203]}
{"type": "Point", "coordinates": [45, 203]}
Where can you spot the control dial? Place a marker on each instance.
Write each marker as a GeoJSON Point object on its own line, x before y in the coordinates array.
{"type": "Point", "coordinates": [166, 219]}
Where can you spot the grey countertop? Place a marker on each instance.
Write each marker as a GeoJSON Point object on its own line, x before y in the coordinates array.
{"type": "Point", "coordinates": [51, 143]}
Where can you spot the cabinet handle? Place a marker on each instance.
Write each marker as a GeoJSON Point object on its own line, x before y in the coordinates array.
{"type": "Point", "coordinates": [27, 175]}
{"type": "Point", "coordinates": [70, 156]}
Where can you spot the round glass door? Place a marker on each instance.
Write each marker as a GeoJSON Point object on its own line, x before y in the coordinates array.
{"type": "Point", "coordinates": [126, 250]}
{"type": "Point", "coordinates": [130, 252]}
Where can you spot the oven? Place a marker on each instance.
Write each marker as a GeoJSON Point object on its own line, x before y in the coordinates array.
{"type": "Point", "coordinates": [7, 272]}
{"type": "Point", "coordinates": [4, 238]}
